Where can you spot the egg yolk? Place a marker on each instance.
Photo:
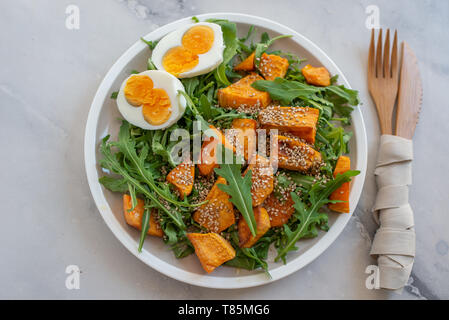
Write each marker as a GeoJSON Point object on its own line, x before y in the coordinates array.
{"type": "Point", "coordinates": [156, 106]}
{"type": "Point", "coordinates": [137, 88]}
{"type": "Point", "coordinates": [179, 60]}
{"type": "Point", "coordinates": [157, 110]}
{"type": "Point", "coordinates": [197, 40]}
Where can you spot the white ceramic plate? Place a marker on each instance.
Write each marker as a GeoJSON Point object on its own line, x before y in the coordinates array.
{"type": "Point", "coordinates": [104, 119]}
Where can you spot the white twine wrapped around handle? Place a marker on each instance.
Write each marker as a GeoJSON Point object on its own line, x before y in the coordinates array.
{"type": "Point", "coordinates": [394, 242]}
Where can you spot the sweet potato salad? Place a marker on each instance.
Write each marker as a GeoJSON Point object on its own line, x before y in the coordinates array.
{"type": "Point", "coordinates": [280, 120]}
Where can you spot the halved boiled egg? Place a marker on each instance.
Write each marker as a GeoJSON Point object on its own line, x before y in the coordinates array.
{"type": "Point", "coordinates": [150, 100]}
{"type": "Point", "coordinates": [190, 51]}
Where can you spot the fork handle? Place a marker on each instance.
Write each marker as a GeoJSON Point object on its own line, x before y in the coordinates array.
{"type": "Point", "coordinates": [384, 107]}
{"type": "Point", "coordinates": [394, 241]}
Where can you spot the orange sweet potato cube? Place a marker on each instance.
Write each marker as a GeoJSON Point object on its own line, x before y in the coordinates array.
{"type": "Point", "coordinates": [218, 213]}
{"type": "Point", "coordinates": [241, 94]}
{"type": "Point", "coordinates": [212, 249]}
{"type": "Point", "coordinates": [279, 210]}
{"type": "Point", "coordinates": [209, 151]}
{"type": "Point", "coordinates": [342, 193]}
{"type": "Point", "coordinates": [293, 154]}
{"type": "Point", "coordinates": [272, 66]}
{"type": "Point", "coordinates": [316, 76]}
{"type": "Point", "coordinates": [246, 238]}
{"type": "Point", "coordinates": [134, 217]}
{"type": "Point", "coordinates": [247, 64]}
{"type": "Point", "coordinates": [182, 177]}
{"type": "Point", "coordinates": [299, 121]}
{"type": "Point", "coordinates": [262, 180]}
{"type": "Point", "coordinates": [244, 137]}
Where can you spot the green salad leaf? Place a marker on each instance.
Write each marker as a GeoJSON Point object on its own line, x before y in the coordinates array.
{"type": "Point", "coordinates": [114, 184]}
{"type": "Point", "coordinates": [286, 91]}
{"type": "Point", "coordinates": [264, 44]}
{"type": "Point", "coordinates": [145, 227]}
{"type": "Point", "coordinates": [239, 189]}
{"type": "Point", "coordinates": [111, 162]}
{"type": "Point", "coordinates": [150, 44]}
{"type": "Point", "coordinates": [308, 214]}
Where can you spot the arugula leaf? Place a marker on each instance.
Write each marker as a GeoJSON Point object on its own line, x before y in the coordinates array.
{"type": "Point", "coordinates": [114, 184]}
{"type": "Point", "coordinates": [150, 44]}
{"type": "Point", "coordinates": [231, 43]}
{"type": "Point", "coordinates": [182, 248]}
{"type": "Point", "coordinates": [250, 252]}
{"type": "Point", "coordinates": [190, 84]}
{"type": "Point", "coordinates": [150, 65]}
{"type": "Point", "coordinates": [145, 227]}
{"type": "Point", "coordinates": [132, 193]}
{"type": "Point", "coordinates": [127, 146]}
{"type": "Point", "coordinates": [241, 260]}
{"type": "Point", "coordinates": [111, 162]}
{"type": "Point", "coordinates": [239, 189]}
{"type": "Point", "coordinates": [308, 215]}
{"type": "Point", "coordinates": [249, 259]}
{"type": "Point", "coordinates": [205, 108]}
{"type": "Point", "coordinates": [170, 232]}
{"type": "Point", "coordinates": [199, 117]}
{"type": "Point", "coordinates": [350, 96]}
{"type": "Point", "coordinates": [229, 30]}
{"type": "Point", "coordinates": [159, 146]}
{"type": "Point", "coordinates": [286, 91]}
{"type": "Point", "coordinates": [220, 75]}
{"type": "Point", "coordinates": [264, 44]}
{"type": "Point", "coordinates": [251, 30]}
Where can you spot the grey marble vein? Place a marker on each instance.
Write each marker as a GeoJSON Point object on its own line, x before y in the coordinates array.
{"type": "Point", "coordinates": [49, 77]}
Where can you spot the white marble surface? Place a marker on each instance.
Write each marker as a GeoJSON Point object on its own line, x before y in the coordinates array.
{"type": "Point", "coordinates": [49, 76]}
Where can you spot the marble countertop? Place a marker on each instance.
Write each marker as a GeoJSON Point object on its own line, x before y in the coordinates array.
{"type": "Point", "coordinates": [49, 77]}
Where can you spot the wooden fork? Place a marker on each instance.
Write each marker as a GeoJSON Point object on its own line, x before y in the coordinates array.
{"type": "Point", "coordinates": [383, 78]}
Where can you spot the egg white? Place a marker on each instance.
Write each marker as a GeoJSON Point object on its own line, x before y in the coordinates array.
{"type": "Point", "coordinates": [161, 80]}
{"type": "Point", "coordinates": [206, 62]}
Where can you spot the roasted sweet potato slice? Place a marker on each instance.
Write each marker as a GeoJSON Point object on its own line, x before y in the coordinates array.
{"type": "Point", "coordinates": [342, 193]}
{"type": "Point", "coordinates": [218, 213]}
{"type": "Point", "coordinates": [212, 249]}
{"type": "Point", "coordinates": [209, 152]}
{"type": "Point", "coordinates": [244, 137]}
{"type": "Point", "coordinates": [299, 121]}
{"type": "Point", "coordinates": [272, 66]}
{"type": "Point", "coordinates": [262, 179]}
{"type": "Point", "coordinates": [247, 64]}
{"type": "Point", "coordinates": [279, 211]}
{"type": "Point", "coordinates": [182, 177]}
{"type": "Point", "coordinates": [134, 218]}
{"type": "Point", "coordinates": [316, 76]}
{"type": "Point", "coordinates": [294, 154]}
{"type": "Point", "coordinates": [246, 239]}
{"type": "Point", "coordinates": [241, 94]}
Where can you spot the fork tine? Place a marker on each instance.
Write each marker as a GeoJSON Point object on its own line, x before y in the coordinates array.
{"type": "Point", "coordinates": [386, 68]}
{"type": "Point", "coordinates": [379, 55]}
{"type": "Point", "coordinates": [394, 56]}
{"type": "Point", "coordinates": [371, 62]}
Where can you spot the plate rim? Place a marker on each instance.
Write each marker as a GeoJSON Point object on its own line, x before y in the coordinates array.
{"type": "Point", "coordinates": [259, 278]}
